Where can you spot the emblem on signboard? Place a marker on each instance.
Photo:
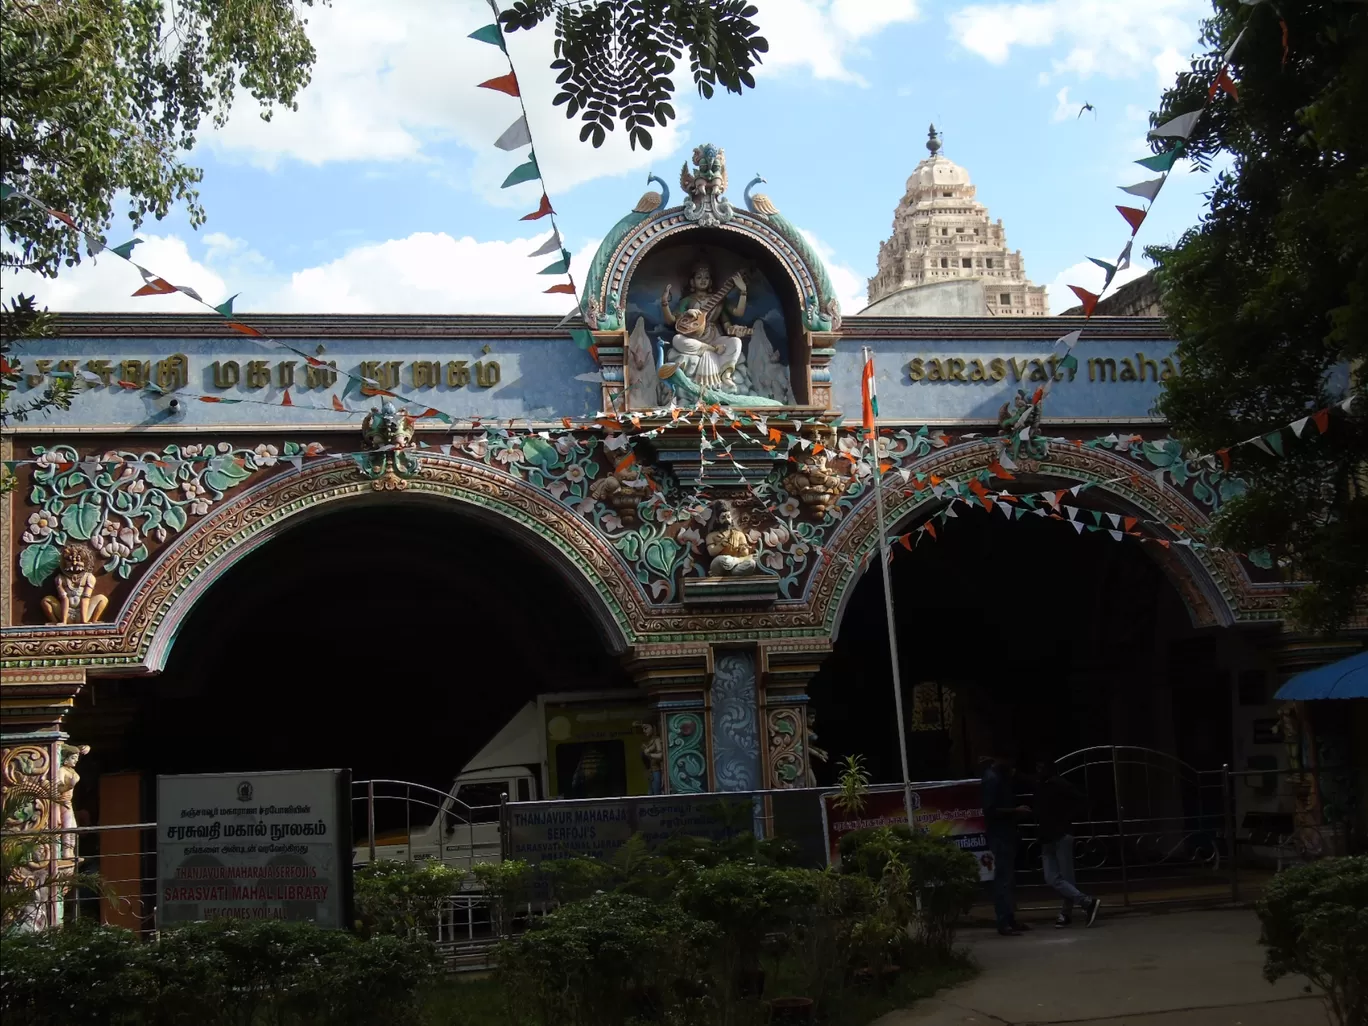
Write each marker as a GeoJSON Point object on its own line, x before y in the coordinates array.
{"type": "Point", "coordinates": [244, 791]}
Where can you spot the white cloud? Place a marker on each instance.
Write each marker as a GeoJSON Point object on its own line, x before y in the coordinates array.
{"type": "Point", "coordinates": [392, 79]}
{"type": "Point", "coordinates": [107, 283]}
{"type": "Point", "coordinates": [1099, 36]}
{"type": "Point", "coordinates": [850, 286]}
{"type": "Point", "coordinates": [424, 273]}
{"type": "Point", "coordinates": [1167, 64]}
{"type": "Point", "coordinates": [1085, 274]}
{"type": "Point", "coordinates": [1063, 108]}
{"type": "Point", "coordinates": [822, 36]}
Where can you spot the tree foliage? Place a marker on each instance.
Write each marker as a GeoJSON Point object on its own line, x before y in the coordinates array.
{"type": "Point", "coordinates": [102, 98]}
{"type": "Point", "coordinates": [1268, 294]}
{"type": "Point", "coordinates": [615, 58]}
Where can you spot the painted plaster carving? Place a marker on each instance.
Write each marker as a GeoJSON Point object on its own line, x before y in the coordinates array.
{"type": "Point", "coordinates": [75, 601]}
{"type": "Point", "coordinates": [786, 748]}
{"type": "Point", "coordinates": [686, 752]}
{"type": "Point", "coordinates": [730, 548]}
{"type": "Point", "coordinates": [27, 772]}
{"type": "Point", "coordinates": [822, 312]}
{"type": "Point", "coordinates": [67, 779]}
{"type": "Point", "coordinates": [120, 503]}
{"type": "Point", "coordinates": [653, 755]}
{"type": "Point", "coordinates": [814, 754]}
{"type": "Point", "coordinates": [736, 732]}
{"type": "Point", "coordinates": [645, 390]}
{"type": "Point", "coordinates": [1019, 421]}
{"type": "Point", "coordinates": [624, 490]}
{"type": "Point", "coordinates": [388, 434]}
{"type": "Point", "coordinates": [607, 317]}
{"type": "Point", "coordinates": [707, 344]}
{"type": "Point", "coordinates": [813, 482]}
{"type": "Point", "coordinates": [706, 187]}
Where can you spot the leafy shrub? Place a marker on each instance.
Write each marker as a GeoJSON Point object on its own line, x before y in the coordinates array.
{"type": "Point", "coordinates": [941, 878]}
{"type": "Point", "coordinates": [402, 898]}
{"type": "Point", "coordinates": [599, 960]}
{"type": "Point", "coordinates": [1315, 923]}
{"type": "Point", "coordinates": [205, 974]}
{"type": "Point", "coordinates": [79, 974]}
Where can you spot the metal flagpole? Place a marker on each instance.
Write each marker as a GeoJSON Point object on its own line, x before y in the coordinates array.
{"type": "Point", "coordinates": [873, 441]}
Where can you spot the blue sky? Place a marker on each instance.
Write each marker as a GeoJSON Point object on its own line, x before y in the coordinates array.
{"type": "Point", "coordinates": [381, 193]}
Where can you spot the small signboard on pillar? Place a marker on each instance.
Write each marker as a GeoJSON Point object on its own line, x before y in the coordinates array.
{"type": "Point", "coordinates": [254, 846]}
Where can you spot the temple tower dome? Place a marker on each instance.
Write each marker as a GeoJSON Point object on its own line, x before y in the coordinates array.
{"type": "Point", "coordinates": [942, 236]}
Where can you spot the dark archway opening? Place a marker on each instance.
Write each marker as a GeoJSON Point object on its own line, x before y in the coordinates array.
{"type": "Point", "coordinates": [1027, 637]}
{"type": "Point", "coordinates": [392, 640]}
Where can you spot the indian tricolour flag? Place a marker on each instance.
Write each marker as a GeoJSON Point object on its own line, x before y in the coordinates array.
{"type": "Point", "coordinates": [869, 394]}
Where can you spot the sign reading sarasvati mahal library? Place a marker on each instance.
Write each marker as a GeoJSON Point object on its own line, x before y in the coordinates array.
{"type": "Point", "coordinates": [254, 846]}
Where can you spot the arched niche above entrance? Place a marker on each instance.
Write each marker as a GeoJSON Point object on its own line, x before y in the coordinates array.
{"type": "Point", "coordinates": [779, 313]}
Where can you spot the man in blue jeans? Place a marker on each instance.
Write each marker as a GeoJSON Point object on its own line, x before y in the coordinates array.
{"type": "Point", "coordinates": [1055, 800]}
{"type": "Point", "coordinates": [1001, 813]}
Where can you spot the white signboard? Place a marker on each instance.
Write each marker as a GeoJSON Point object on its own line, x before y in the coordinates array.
{"type": "Point", "coordinates": [254, 846]}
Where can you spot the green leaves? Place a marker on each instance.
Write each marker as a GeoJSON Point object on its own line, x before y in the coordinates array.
{"type": "Point", "coordinates": [82, 518]}
{"type": "Point", "coordinates": [614, 58]}
{"type": "Point", "coordinates": [540, 452]}
{"type": "Point", "coordinates": [224, 472]}
{"type": "Point", "coordinates": [38, 562]}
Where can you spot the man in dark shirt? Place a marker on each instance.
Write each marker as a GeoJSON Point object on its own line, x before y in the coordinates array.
{"type": "Point", "coordinates": [1055, 801]}
{"type": "Point", "coordinates": [1001, 813]}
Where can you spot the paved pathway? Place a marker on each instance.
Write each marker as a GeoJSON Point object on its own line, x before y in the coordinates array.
{"type": "Point", "coordinates": [1193, 968]}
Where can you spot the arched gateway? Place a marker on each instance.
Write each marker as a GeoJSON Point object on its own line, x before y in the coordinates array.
{"type": "Point", "coordinates": [686, 469]}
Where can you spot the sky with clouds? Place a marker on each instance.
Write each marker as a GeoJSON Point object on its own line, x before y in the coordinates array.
{"type": "Point", "coordinates": [381, 193]}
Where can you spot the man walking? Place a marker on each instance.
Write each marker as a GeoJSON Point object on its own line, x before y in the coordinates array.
{"type": "Point", "coordinates": [1055, 800]}
{"type": "Point", "coordinates": [1001, 812]}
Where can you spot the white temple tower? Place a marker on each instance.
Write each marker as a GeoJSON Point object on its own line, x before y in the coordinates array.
{"type": "Point", "coordinates": [945, 258]}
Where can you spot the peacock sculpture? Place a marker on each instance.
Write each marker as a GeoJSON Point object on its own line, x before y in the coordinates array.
{"type": "Point", "coordinates": [823, 311]}
{"type": "Point", "coordinates": [610, 317]}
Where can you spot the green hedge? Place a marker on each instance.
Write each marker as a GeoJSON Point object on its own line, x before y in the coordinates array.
{"type": "Point", "coordinates": [210, 974]}
{"type": "Point", "coordinates": [1315, 924]}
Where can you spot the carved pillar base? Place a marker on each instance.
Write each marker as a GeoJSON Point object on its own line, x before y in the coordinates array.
{"type": "Point", "coordinates": [676, 679]}
{"type": "Point", "coordinates": [785, 669]}
{"type": "Point", "coordinates": [32, 706]}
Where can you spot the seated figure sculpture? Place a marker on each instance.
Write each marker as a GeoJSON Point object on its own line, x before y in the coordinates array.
{"type": "Point", "coordinates": [706, 345]}
{"type": "Point", "coordinates": [731, 550]}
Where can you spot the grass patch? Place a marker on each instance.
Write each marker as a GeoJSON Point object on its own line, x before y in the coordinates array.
{"type": "Point", "coordinates": [479, 1000]}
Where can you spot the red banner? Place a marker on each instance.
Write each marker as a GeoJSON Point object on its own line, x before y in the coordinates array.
{"type": "Point", "coordinates": [958, 803]}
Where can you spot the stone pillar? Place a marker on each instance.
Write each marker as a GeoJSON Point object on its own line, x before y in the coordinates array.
{"type": "Point", "coordinates": [675, 677]}
{"type": "Point", "coordinates": [787, 719]}
{"type": "Point", "coordinates": [32, 706]}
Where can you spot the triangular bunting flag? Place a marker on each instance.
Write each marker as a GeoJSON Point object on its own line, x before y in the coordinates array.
{"type": "Point", "coordinates": [515, 135]}
{"type": "Point", "coordinates": [1161, 162]}
{"type": "Point", "coordinates": [244, 329]}
{"type": "Point", "coordinates": [65, 218]}
{"type": "Point", "coordinates": [1298, 426]}
{"type": "Point", "coordinates": [1109, 268]}
{"type": "Point", "coordinates": [95, 246]}
{"type": "Point", "coordinates": [125, 249]}
{"type": "Point", "coordinates": [189, 292]}
{"type": "Point", "coordinates": [1321, 418]}
{"type": "Point", "coordinates": [1115, 518]}
{"type": "Point", "coordinates": [285, 399]}
{"type": "Point", "coordinates": [1223, 81]}
{"type": "Point", "coordinates": [489, 34]}
{"type": "Point", "coordinates": [549, 246]}
{"type": "Point", "coordinates": [226, 307]}
{"type": "Point", "coordinates": [1089, 299]}
{"type": "Point", "coordinates": [503, 84]}
{"type": "Point", "coordinates": [1134, 217]}
{"type": "Point", "coordinates": [583, 338]}
{"type": "Point", "coordinates": [542, 210]}
{"type": "Point", "coordinates": [1275, 442]}
{"type": "Point", "coordinates": [1116, 535]}
{"type": "Point", "coordinates": [522, 173]}
{"type": "Point", "coordinates": [1123, 261]}
{"type": "Point", "coordinates": [562, 290]}
{"type": "Point", "coordinates": [337, 405]}
{"type": "Point", "coordinates": [6, 190]}
{"type": "Point", "coordinates": [1261, 444]}
{"type": "Point", "coordinates": [1078, 526]}
{"type": "Point", "coordinates": [1145, 190]}
{"type": "Point", "coordinates": [1069, 363]}
{"type": "Point", "coordinates": [156, 287]}
{"type": "Point", "coordinates": [561, 266]}
{"type": "Point", "coordinates": [1178, 128]}
{"type": "Point", "coordinates": [1130, 523]}
{"type": "Point", "coordinates": [1071, 339]}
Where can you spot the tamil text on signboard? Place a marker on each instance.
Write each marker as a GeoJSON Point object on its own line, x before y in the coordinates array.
{"type": "Point", "coordinates": [254, 846]}
{"type": "Point", "coordinates": [958, 804]}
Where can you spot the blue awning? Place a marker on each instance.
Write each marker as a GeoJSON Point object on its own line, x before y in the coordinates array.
{"type": "Point", "coordinates": [1347, 678]}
